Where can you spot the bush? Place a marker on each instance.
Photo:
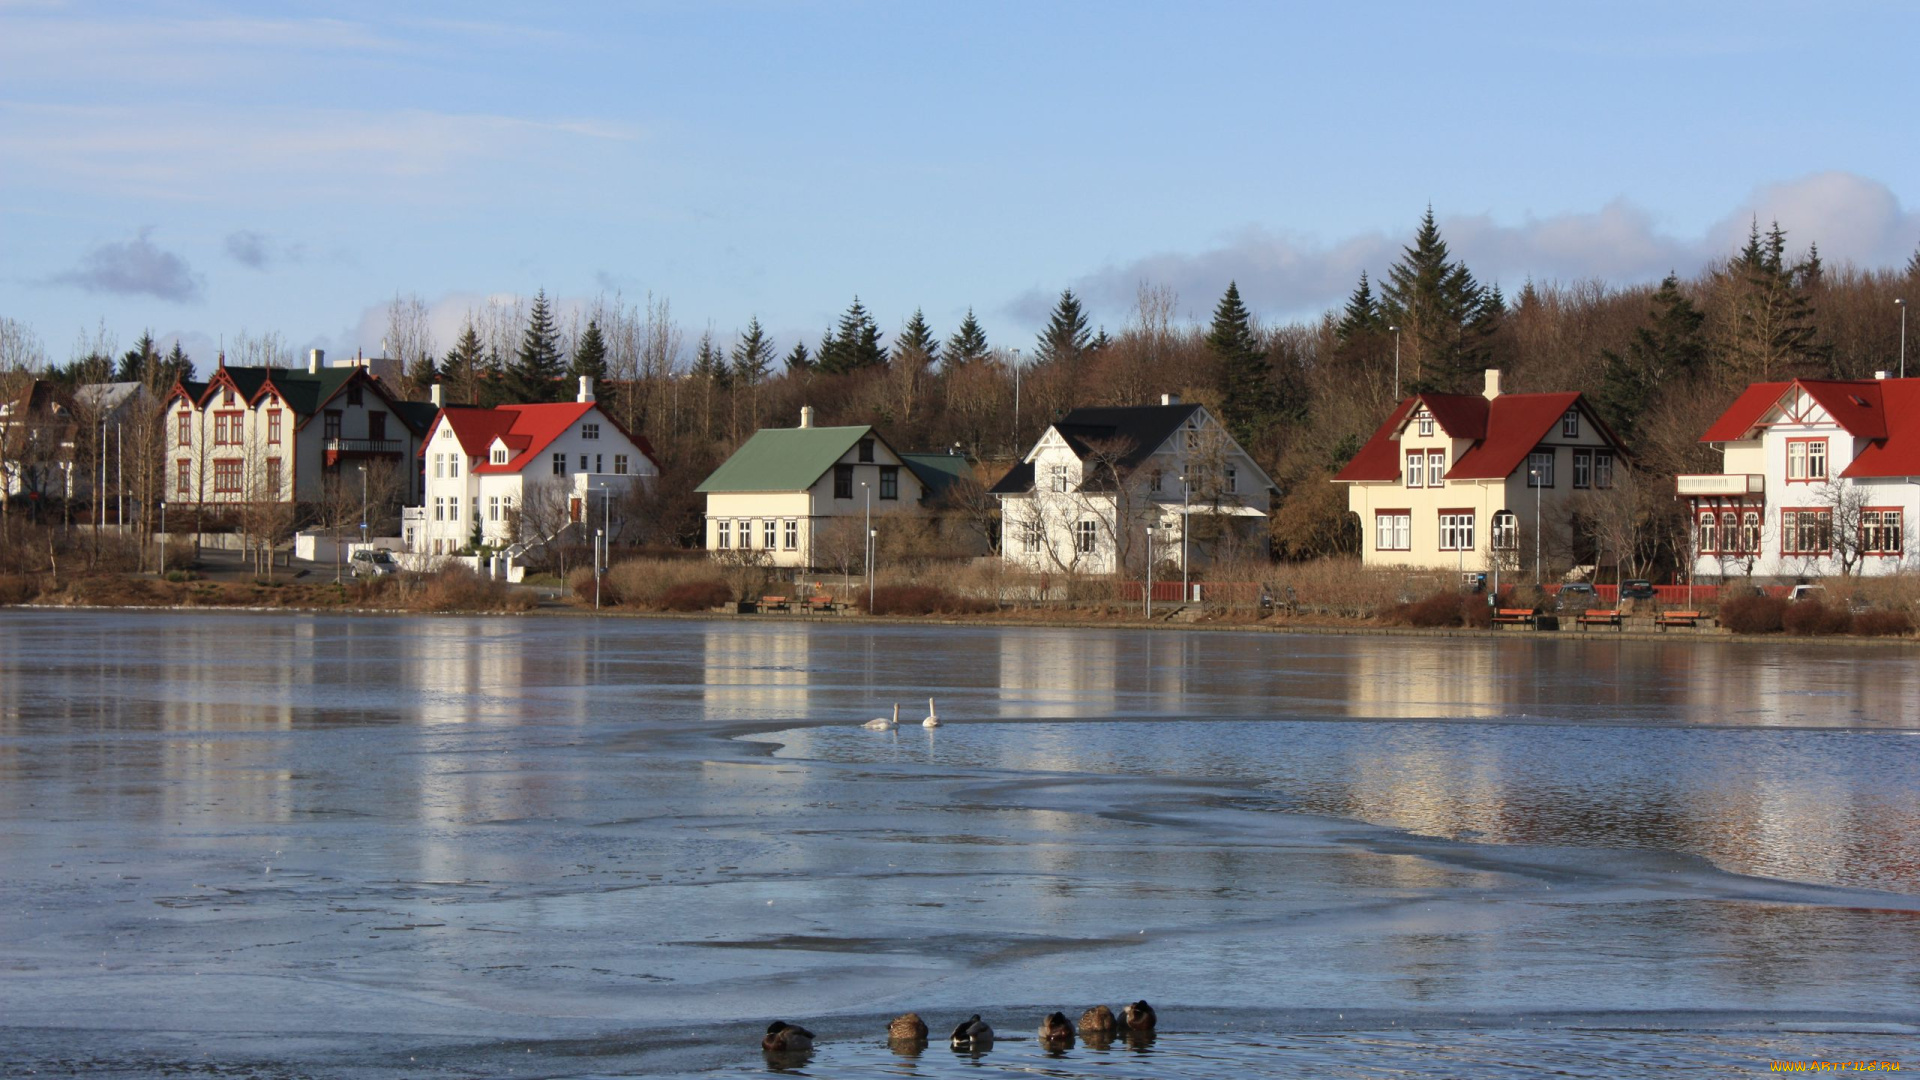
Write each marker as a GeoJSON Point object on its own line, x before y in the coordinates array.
{"type": "Point", "coordinates": [1809, 617]}
{"type": "Point", "coordinates": [922, 600]}
{"type": "Point", "coordinates": [1442, 609]}
{"type": "Point", "coordinates": [645, 582]}
{"type": "Point", "coordinates": [18, 588]}
{"type": "Point", "coordinates": [696, 596]}
{"type": "Point", "coordinates": [1880, 622]}
{"type": "Point", "coordinates": [1753, 614]}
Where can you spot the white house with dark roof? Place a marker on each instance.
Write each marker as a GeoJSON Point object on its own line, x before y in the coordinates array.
{"type": "Point", "coordinates": [1083, 498]}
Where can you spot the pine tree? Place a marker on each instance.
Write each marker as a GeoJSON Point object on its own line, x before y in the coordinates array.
{"type": "Point", "coordinates": [535, 373]}
{"type": "Point", "coordinates": [710, 363]}
{"type": "Point", "coordinates": [753, 355]}
{"type": "Point", "coordinates": [422, 374]}
{"type": "Point", "coordinates": [138, 363]}
{"type": "Point", "coordinates": [916, 340]}
{"type": "Point", "coordinates": [178, 367]}
{"type": "Point", "coordinates": [969, 343]}
{"type": "Point", "coordinates": [1445, 317]}
{"type": "Point", "coordinates": [1769, 332]}
{"type": "Point", "coordinates": [1664, 354]}
{"type": "Point", "coordinates": [590, 356]}
{"type": "Point", "coordinates": [1100, 341]}
{"type": "Point", "coordinates": [1246, 377]}
{"type": "Point", "coordinates": [854, 345]}
{"type": "Point", "coordinates": [799, 361]}
{"type": "Point", "coordinates": [1066, 338]}
{"type": "Point", "coordinates": [1361, 315]}
{"type": "Point", "coordinates": [1913, 263]}
{"type": "Point", "coordinates": [462, 367]}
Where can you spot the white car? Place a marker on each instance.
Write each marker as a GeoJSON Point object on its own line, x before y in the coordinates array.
{"type": "Point", "coordinates": [374, 562]}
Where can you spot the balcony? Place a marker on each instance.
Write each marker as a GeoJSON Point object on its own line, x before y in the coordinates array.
{"type": "Point", "coordinates": [336, 449]}
{"type": "Point", "coordinates": [1722, 484]}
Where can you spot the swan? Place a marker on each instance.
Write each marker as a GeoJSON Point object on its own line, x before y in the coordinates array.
{"type": "Point", "coordinates": [881, 723]}
{"type": "Point", "coordinates": [972, 1034]}
{"type": "Point", "coordinates": [783, 1037]}
{"type": "Point", "coordinates": [933, 718]}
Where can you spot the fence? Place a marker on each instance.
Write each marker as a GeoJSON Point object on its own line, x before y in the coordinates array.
{"type": "Point", "coordinates": [1229, 593]}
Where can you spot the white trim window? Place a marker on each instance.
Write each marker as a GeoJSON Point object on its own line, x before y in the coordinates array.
{"type": "Point", "coordinates": [619, 464]}
{"type": "Point", "coordinates": [1425, 420]}
{"type": "Point", "coordinates": [770, 532]}
{"type": "Point", "coordinates": [1393, 530]}
{"type": "Point", "coordinates": [589, 431]}
{"type": "Point", "coordinates": [559, 464]}
{"type": "Point", "coordinates": [1602, 469]}
{"type": "Point", "coordinates": [722, 534]}
{"type": "Point", "coordinates": [1416, 468]}
{"type": "Point", "coordinates": [1707, 538]}
{"type": "Point", "coordinates": [1506, 531]}
{"type": "Point", "coordinates": [1570, 424]}
{"type": "Point", "coordinates": [1583, 468]}
{"type": "Point", "coordinates": [1881, 532]}
{"type": "Point", "coordinates": [1086, 537]}
{"type": "Point", "coordinates": [746, 533]}
{"type": "Point", "coordinates": [499, 456]}
{"type": "Point", "coordinates": [793, 534]}
{"type": "Point", "coordinates": [1030, 536]}
{"type": "Point", "coordinates": [1456, 531]}
{"type": "Point", "coordinates": [493, 508]}
{"type": "Point", "coordinates": [1233, 481]}
{"type": "Point", "coordinates": [1059, 473]}
{"type": "Point", "coordinates": [1436, 468]}
{"type": "Point", "coordinates": [1540, 469]}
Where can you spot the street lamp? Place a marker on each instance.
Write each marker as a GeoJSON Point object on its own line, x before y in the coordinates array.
{"type": "Point", "coordinates": [363, 505]}
{"type": "Point", "coordinates": [1902, 305]}
{"type": "Point", "coordinates": [601, 556]}
{"type": "Point", "coordinates": [163, 538]}
{"type": "Point", "coordinates": [1395, 330]}
{"type": "Point", "coordinates": [1186, 518]}
{"type": "Point", "coordinates": [1149, 531]}
{"type": "Point", "coordinates": [1015, 439]}
{"type": "Point", "coordinates": [1533, 473]}
{"type": "Point", "coordinates": [866, 493]}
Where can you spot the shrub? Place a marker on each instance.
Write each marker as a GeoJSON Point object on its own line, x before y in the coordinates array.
{"type": "Point", "coordinates": [18, 588]}
{"type": "Point", "coordinates": [696, 596]}
{"type": "Point", "coordinates": [1753, 614]}
{"type": "Point", "coordinates": [923, 600]}
{"type": "Point", "coordinates": [645, 582]}
{"type": "Point", "coordinates": [1881, 622]}
{"type": "Point", "coordinates": [1809, 617]}
{"type": "Point", "coordinates": [1442, 609]}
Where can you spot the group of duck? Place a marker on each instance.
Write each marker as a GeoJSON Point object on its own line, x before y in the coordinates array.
{"type": "Point", "coordinates": [883, 723]}
{"type": "Point", "coordinates": [1098, 1024]}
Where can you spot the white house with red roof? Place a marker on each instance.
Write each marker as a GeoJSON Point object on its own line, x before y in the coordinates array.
{"type": "Point", "coordinates": [517, 473]}
{"type": "Point", "coordinates": [1818, 477]}
{"type": "Point", "coordinates": [1458, 481]}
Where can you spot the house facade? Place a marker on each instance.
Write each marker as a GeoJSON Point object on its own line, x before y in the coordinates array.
{"type": "Point", "coordinates": [521, 473]}
{"type": "Point", "coordinates": [258, 434]}
{"type": "Point", "coordinates": [1084, 498]}
{"type": "Point", "coordinates": [1818, 477]}
{"type": "Point", "coordinates": [801, 497]}
{"type": "Point", "coordinates": [1475, 483]}
{"type": "Point", "coordinates": [36, 442]}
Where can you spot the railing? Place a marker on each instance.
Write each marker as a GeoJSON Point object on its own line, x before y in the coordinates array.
{"type": "Point", "coordinates": [1720, 483]}
{"type": "Point", "coordinates": [365, 446]}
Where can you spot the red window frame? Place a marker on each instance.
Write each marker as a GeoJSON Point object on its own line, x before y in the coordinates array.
{"type": "Point", "coordinates": [185, 435]}
{"type": "Point", "coordinates": [1790, 528]}
{"type": "Point", "coordinates": [227, 475]}
{"type": "Point", "coordinates": [1703, 521]}
{"type": "Point", "coordinates": [273, 425]}
{"type": "Point", "coordinates": [1473, 527]}
{"type": "Point", "coordinates": [274, 480]}
{"type": "Point", "coordinates": [1378, 514]}
{"type": "Point", "coordinates": [183, 477]}
{"type": "Point", "coordinates": [1899, 533]}
{"type": "Point", "coordinates": [1826, 461]}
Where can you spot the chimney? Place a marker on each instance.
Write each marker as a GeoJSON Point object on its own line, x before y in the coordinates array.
{"type": "Point", "coordinates": [806, 416]}
{"type": "Point", "coordinates": [1169, 399]}
{"type": "Point", "coordinates": [586, 390]}
{"type": "Point", "coordinates": [314, 359]}
{"type": "Point", "coordinates": [1493, 384]}
{"type": "Point", "coordinates": [438, 403]}
{"type": "Point", "coordinates": [1880, 374]}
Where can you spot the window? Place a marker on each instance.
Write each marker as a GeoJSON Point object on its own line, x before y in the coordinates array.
{"type": "Point", "coordinates": [272, 488]}
{"type": "Point", "coordinates": [583, 463]}
{"type": "Point", "coordinates": [1707, 540]}
{"type": "Point", "coordinates": [453, 508]}
{"type": "Point", "coordinates": [273, 425]}
{"type": "Point", "coordinates": [793, 535]}
{"type": "Point", "coordinates": [330, 425]}
{"type": "Point", "coordinates": [723, 534]}
{"type": "Point", "coordinates": [1030, 536]}
{"type": "Point", "coordinates": [1570, 424]}
{"type": "Point", "coordinates": [185, 437]}
{"type": "Point", "coordinates": [226, 396]}
{"type": "Point", "coordinates": [770, 534]}
{"type": "Point", "coordinates": [1540, 469]}
{"type": "Point", "coordinates": [1085, 534]}
{"type": "Point", "coordinates": [439, 466]}
{"type": "Point", "coordinates": [843, 481]}
{"type": "Point", "coordinates": [499, 456]}
{"type": "Point", "coordinates": [1425, 420]}
{"type": "Point", "coordinates": [1881, 532]}
{"type": "Point", "coordinates": [1155, 481]}
{"type": "Point", "coordinates": [377, 426]}
{"type": "Point", "coordinates": [866, 451]}
{"type": "Point", "coordinates": [453, 465]}
{"type": "Point", "coordinates": [1750, 532]}
{"type": "Point", "coordinates": [1059, 473]}
{"type": "Point", "coordinates": [356, 395]}
{"type": "Point", "coordinates": [1193, 437]}
{"type": "Point", "coordinates": [1456, 530]}
{"type": "Point", "coordinates": [226, 477]}
{"type": "Point", "coordinates": [1730, 531]}
{"type": "Point", "coordinates": [439, 508]}
{"type": "Point", "coordinates": [1233, 481]}
{"type": "Point", "coordinates": [746, 533]}
{"type": "Point", "coordinates": [1602, 469]}
{"type": "Point", "coordinates": [1416, 469]}
{"type": "Point", "coordinates": [1393, 530]}
{"type": "Point", "coordinates": [1506, 531]}
{"type": "Point", "coordinates": [1583, 468]}
{"type": "Point", "coordinates": [1806, 460]}
{"type": "Point", "coordinates": [619, 464]}
{"type": "Point", "coordinates": [228, 428]}
{"type": "Point", "coordinates": [889, 481]}
{"type": "Point", "coordinates": [1436, 468]}
{"type": "Point", "coordinates": [493, 508]}
{"type": "Point", "coordinates": [589, 431]}
{"type": "Point", "coordinates": [559, 464]}
{"type": "Point", "coordinates": [1806, 532]}
{"type": "Point", "coordinates": [183, 478]}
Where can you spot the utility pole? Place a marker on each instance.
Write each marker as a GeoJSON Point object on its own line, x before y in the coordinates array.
{"type": "Point", "coordinates": [1396, 363]}
{"type": "Point", "coordinates": [1902, 304]}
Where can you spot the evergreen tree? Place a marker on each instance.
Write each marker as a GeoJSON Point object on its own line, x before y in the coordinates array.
{"type": "Point", "coordinates": [1664, 355]}
{"type": "Point", "coordinates": [1066, 338]}
{"type": "Point", "coordinates": [535, 373]}
{"type": "Point", "coordinates": [1913, 263]}
{"type": "Point", "coordinates": [1246, 376]}
{"type": "Point", "coordinates": [710, 363]}
{"type": "Point", "coordinates": [799, 361]}
{"type": "Point", "coordinates": [139, 363]}
{"type": "Point", "coordinates": [422, 373]}
{"type": "Point", "coordinates": [1362, 314]}
{"type": "Point", "coordinates": [969, 343]}
{"type": "Point", "coordinates": [854, 345]}
{"type": "Point", "coordinates": [1446, 319]}
{"type": "Point", "coordinates": [916, 340]}
{"type": "Point", "coordinates": [1100, 341]}
{"type": "Point", "coordinates": [177, 368]}
{"type": "Point", "coordinates": [1770, 331]}
{"type": "Point", "coordinates": [753, 355]}
{"type": "Point", "coordinates": [590, 356]}
{"type": "Point", "coordinates": [462, 367]}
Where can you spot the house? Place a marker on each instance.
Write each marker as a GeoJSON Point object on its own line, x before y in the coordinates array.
{"type": "Point", "coordinates": [1481, 482]}
{"type": "Point", "coordinates": [1817, 477]}
{"type": "Point", "coordinates": [1083, 498]}
{"type": "Point", "coordinates": [801, 496]}
{"type": "Point", "coordinates": [521, 473]}
{"type": "Point", "coordinates": [265, 434]}
{"type": "Point", "coordinates": [36, 442]}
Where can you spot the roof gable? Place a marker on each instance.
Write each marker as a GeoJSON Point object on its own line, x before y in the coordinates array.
{"type": "Point", "coordinates": [1509, 427]}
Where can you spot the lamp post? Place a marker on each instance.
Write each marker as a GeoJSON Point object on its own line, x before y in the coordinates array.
{"type": "Point", "coordinates": [1395, 331]}
{"type": "Point", "coordinates": [1533, 473]}
{"type": "Point", "coordinates": [1902, 305]}
{"type": "Point", "coordinates": [163, 538]}
{"type": "Point", "coordinates": [1149, 590]}
{"type": "Point", "coordinates": [866, 493]}
{"type": "Point", "coordinates": [363, 504]}
{"type": "Point", "coordinates": [1186, 518]}
{"type": "Point", "coordinates": [601, 555]}
{"type": "Point", "coordinates": [1015, 438]}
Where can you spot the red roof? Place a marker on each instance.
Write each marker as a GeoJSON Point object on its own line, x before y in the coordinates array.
{"type": "Point", "coordinates": [1897, 451]}
{"type": "Point", "coordinates": [1746, 411]}
{"type": "Point", "coordinates": [525, 429]}
{"type": "Point", "coordinates": [1379, 459]}
{"type": "Point", "coordinates": [1503, 431]}
{"type": "Point", "coordinates": [1884, 412]}
{"type": "Point", "coordinates": [1463, 416]}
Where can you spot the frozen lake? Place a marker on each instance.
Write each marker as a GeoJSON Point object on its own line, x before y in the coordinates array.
{"type": "Point", "coordinates": [294, 845]}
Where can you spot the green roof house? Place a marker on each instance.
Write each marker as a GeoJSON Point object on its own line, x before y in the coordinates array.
{"type": "Point", "coordinates": [802, 496]}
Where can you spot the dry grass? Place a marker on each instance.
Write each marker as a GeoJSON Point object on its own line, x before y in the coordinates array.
{"type": "Point", "coordinates": [456, 589]}
{"type": "Point", "coordinates": [1343, 587]}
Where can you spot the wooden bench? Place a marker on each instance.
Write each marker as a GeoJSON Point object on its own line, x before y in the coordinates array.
{"type": "Point", "coordinates": [775, 603]}
{"type": "Point", "coordinates": [822, 603]}
{"type": "Point", "coordinates": [1513, 617]}
{"type": "Point", "coordinates": [1665, 619]}
{"type": "Point", "coordinates": [1599, 618]}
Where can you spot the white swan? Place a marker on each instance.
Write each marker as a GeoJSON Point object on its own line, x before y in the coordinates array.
{"type": "Point", "coordinates": [933, 718]}
{"type": "Point", "coordinates": [881, 723]}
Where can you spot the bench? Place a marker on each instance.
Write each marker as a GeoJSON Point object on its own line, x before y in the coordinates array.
{"type": "Point", "coordinates": [1599, 618]}
{"type": "Point", "coordinates": [822, 603]}
{"type": "Point", "coordinates": [775, 603]}
{"type": "Point", "coordinates": [1677, 618]}
{"type": "Point", "coordinates": [1513, 617]}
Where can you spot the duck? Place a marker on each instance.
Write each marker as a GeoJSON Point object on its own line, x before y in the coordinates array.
{"type": "Point", "coordinates": [1097, 1021]}
{"type": "Point", "coordinates": [973, 1033]}
{"type": "Point", "coordinates": [1139, 1017]}
{"type": "Point", "coordinates": [881, 723]}
{"type": "Point", "coordinates": [908, 1028]}
{"type": "Point", "coordinates": [933, 718]}
{"type": "Point", "coordinates": [783, 1037]}
{"type": "Point", "coordinates": [1056, 1028]}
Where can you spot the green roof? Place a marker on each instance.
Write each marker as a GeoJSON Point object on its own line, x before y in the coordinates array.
{"type": "Point", "coordinates": [783, 459]}
{"type": "Point", "coordinates": [938, 472]}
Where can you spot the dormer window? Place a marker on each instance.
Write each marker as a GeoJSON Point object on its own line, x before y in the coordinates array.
{"type": "Point", "coordinates": [589, 431]}
{"type": "Point", "coordinates": [1425, 422]}
{"type": "Point", "coordinates": [1570, 424]}
{"type": "Point", "coordinates": [499, 455]}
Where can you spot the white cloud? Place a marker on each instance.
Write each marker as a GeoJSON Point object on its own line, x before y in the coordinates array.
{"type": "Point", "coordinates": [133, 268]}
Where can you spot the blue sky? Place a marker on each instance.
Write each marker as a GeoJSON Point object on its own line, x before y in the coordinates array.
{"type": "Point", "coordinates": [207, 169]}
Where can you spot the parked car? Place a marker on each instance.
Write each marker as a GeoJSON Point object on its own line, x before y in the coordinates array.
{"type": "Point", "coordinates": [1636, 589]}
{"type": "Point", "coordinates": [375, 562]}
{"type": "Point", "coordinates": [1808, 592]}
{"type": "Point", "coordinates": [1575, 596]}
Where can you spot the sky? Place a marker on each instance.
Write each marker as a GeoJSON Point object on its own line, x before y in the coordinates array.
{"type": "Point", "coordinates": [205, 170]}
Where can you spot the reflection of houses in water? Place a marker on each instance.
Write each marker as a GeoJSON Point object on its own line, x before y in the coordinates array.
{"type": "Point", "coordinates": [1796, 686]}
{"type": "Point", "coordinates": [1396, 679]}
{"type": "Point", "coordinates": [757, 672]}
{"type": "Point", "coordinates": [475, 670]}
{"type": "Point", "coordinates": [1057, 672]}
